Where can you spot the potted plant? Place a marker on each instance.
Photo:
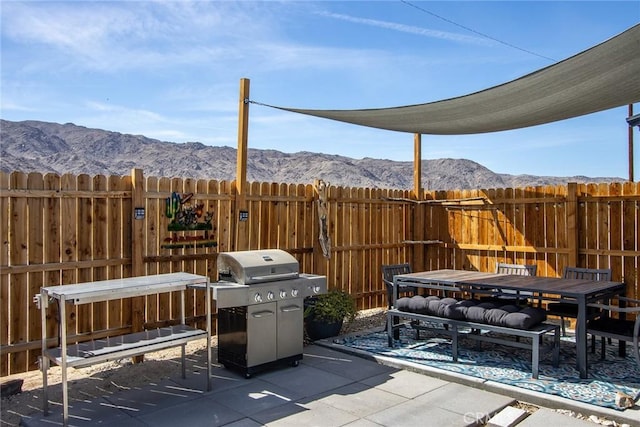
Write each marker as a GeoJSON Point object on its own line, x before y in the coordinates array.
{"type": "Point", "coordinates": [324, 314]}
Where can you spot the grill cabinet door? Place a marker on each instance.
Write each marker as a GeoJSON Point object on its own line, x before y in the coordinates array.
{"type": "Point", "coordinates": [261, 330]}
{"type": "Point", "coordinates": [290, 328]}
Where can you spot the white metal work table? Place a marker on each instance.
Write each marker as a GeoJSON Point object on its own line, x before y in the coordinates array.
{"type": "Point", "coordinates": [576, 291]}
{"type": "Point", "coordinates": [129, 345]}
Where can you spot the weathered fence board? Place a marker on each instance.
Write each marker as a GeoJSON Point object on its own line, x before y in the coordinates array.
{"type": "Point", "coordinates": [52, 243]}
{"type": "Point", "coordinates": [4, 278]}
{"type": "Point", "coordinates": [18, 285]}
{"type": "Point", "coordinates": [99, 241]}
{"type": "Point", "coordinates": [35, 215]}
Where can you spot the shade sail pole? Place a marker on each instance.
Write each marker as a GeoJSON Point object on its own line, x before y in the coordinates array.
{"type": "Point", "coordinates": [417, 165]}
{"type": "Point", "coordinates": [631, 145]}
{"type": "Point", "coordinates": [243, 131]}
{"type": "Point", "coordinates": [241, 211]}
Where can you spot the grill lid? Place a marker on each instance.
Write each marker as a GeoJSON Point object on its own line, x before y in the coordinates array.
{"type": "Point", "coordinates": [259, 266]}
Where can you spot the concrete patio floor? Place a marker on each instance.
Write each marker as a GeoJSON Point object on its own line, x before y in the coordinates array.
{"type": "Point", "coordinates": [328, 388]}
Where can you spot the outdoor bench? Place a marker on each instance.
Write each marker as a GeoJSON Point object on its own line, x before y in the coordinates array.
{"type": "Point", "coordinates": [471, 318]}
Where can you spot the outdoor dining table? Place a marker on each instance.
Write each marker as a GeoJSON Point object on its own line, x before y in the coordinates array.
{"type": "Point", "coordinates": [576, 291]}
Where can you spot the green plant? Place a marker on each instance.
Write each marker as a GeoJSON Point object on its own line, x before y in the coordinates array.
{"type": "Point", "coordinates": [331, 307]}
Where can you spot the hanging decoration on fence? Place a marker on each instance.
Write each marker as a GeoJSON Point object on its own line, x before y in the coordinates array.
{"type": "Point", "coordinates": [186, 215]}
{"type": "Point", "coordinates": [325, 240]}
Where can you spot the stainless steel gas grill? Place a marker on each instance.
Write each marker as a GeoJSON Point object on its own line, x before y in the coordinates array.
{"type": "Point", "coordinates": [259, 296]}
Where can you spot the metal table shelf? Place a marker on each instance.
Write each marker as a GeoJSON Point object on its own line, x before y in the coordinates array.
{"type": "Point", "coordinates": [128, 345]}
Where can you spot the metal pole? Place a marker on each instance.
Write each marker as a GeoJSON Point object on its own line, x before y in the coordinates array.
{"type": "Point", "coordinates": [630, 145]}
{"type": "Point", "coordinates": [417, 165]}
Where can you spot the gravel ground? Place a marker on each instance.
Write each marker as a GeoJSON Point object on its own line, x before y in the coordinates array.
{"type": "Point", "coordinates": [113, 376]}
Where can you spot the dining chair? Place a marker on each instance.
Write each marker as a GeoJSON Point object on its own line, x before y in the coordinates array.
{"type": "Point", "coordinates": [621, 327]}
{"type": "Point", "coordinates": [509, 296]}
{"type": "Point", "coordinates": [390, 270]}
{"type": "Point", "coordinates": [565, 309]}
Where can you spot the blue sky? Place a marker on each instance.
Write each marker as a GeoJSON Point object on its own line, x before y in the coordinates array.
{"type": "Point", "coordinates": [171, 71]}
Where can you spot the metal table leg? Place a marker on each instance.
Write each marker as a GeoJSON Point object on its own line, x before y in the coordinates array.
{"type": "Point", "coordinates": [42, 302]}
{"type": "Point", "coordinates": [581, 337]}
{"type": "Point", "coordinates": [208, 328]}
{"type": "Point", "coordinates": [63, 364]}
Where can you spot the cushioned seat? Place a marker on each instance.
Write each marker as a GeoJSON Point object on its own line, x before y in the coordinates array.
{"type": "Point", "coordinates": [612, 326]}
{"type": "Point", "coordinates": [502, 323]}
{"type": "Point", "coordinates": [568, 309]}
{"type": "Point", "coordinates": [510, 316]}
{"type": "Point", "coordinates": [620, 328]}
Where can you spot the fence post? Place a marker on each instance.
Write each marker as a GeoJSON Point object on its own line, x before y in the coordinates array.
{"type": "Point", "coordinates": [137, 246]}
{"type": "Point", "coordinates": [572, 223]}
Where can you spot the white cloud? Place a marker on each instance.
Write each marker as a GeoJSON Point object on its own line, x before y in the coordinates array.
{"type": "Point", "coordinates": [126, 35]}
{"type": "Point", "coordinates": [426, 32]}
{"type": "Point", "coordinates": [117, 36]}
{"type": "Point", "coordinates": [8, 105]}
{"type": "Point", "coordinates": [218, 130]}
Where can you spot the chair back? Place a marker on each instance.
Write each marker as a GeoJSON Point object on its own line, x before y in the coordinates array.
{"type": "Point", "coordinates": [517, 269]}
{"type": "Point", "coordinates": [563, 309]}
{"type": "Point", "coordinates": [390, 270]}
{"type": "Point", "coordinates": [603, 274]}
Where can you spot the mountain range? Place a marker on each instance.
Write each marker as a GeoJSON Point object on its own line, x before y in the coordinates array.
{"type": "Point", "coordinates": [35, 146]}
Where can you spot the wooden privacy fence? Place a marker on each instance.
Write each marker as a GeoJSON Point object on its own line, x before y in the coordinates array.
{"type": "Point", "coordinates": [69, 229]}
{"type": "Point", "coordinates": [586, 225]}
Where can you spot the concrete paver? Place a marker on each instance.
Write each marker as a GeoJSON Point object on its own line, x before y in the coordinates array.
{"type": "Point", "coordinates": [546, 417]}
{"type": "Point", "coordinates": [420, 413]}
{"type": "Point", "coordinates": [197, 412]}
{"type": "Point", "coordinates": [255, 396]}
{"type": "Point", "coordinates": [405, 383]}
{"type": "Point", "coordinates": [312, 413]}
{"type": "Point", "coordinates": [360, 399]}
{"type": "Point", "coordinates": [466, 401]}
{"type": "Point", "coordinates": [508, 417]}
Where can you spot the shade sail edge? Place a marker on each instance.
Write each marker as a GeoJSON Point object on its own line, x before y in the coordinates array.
{"type": "Point", "coordinates": [600, 78]}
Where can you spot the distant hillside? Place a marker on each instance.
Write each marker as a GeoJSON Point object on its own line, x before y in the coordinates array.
{"type": "Point", "coordinates": [33, 146]}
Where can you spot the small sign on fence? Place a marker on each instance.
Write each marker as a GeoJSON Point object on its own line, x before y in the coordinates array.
{"type": "Point", "coordinates": [187, 215]}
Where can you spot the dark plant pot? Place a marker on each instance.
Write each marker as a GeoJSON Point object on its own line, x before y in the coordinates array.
{"type": "Point", "coordinates": [319, 329]}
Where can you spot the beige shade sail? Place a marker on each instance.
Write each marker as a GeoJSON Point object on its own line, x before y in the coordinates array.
{"type": "Point", "coordinates": [600, 78]}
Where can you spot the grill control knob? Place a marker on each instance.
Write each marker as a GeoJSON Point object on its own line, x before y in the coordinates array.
{"type": "Point", "coordinates": [294, 292]}
{"type": "Point", "coordinates": [257, 297]}
{"type": "Point", "coordinates": [283, 293]}
{"type": "Point", "coordinates": [270, 295]}
{"type": "Point", "coordinates": [316, 289]}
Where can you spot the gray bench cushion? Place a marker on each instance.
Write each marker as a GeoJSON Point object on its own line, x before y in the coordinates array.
{"type": "Point", "coordinates": [526, 318]}
{"type": "Point", "coordinates": [510, 316]}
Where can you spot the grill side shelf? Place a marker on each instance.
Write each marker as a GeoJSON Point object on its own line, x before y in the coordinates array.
{"type": "Point", "coordinates": [228, 294]}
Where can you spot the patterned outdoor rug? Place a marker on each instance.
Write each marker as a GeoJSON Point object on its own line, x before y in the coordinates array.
{"type": "Point", "coordinates": [508, 365]}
